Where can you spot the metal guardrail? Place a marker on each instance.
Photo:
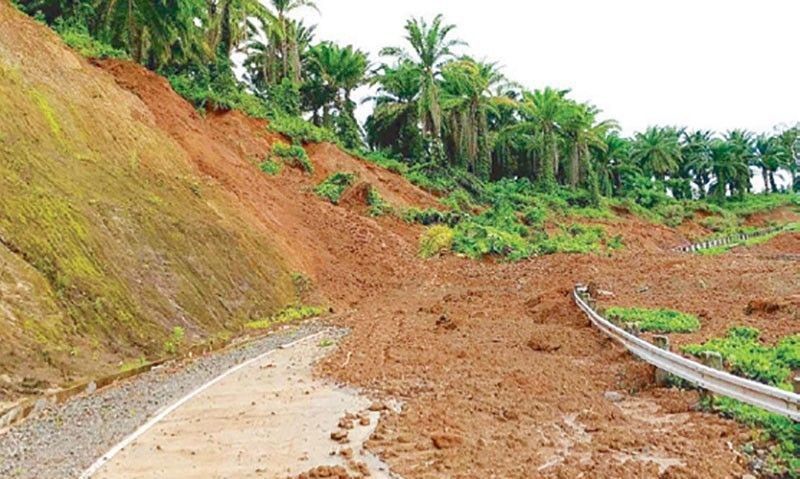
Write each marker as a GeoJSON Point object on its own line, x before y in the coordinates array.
{"type": "Point", "coordinates": [751, 392]}
{"type": "Point", "coordinates": [727, 240]}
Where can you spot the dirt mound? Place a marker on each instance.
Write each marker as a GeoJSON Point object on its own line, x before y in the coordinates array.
{"type": "Point", "coordinates": [771, 306]}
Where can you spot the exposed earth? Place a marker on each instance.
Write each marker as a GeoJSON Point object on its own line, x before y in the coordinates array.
{"type": "Point", "coordinates": [499, 374]}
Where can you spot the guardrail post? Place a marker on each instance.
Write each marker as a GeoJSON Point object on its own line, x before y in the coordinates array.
{"type": "Point", "coordinates": [711, 359]}
{"type": "Point", "coordinates": [661, 376]}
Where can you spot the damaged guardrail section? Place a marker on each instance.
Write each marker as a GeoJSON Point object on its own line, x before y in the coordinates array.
{"type": "Point", "coordinates": [737, 238]}
{"type": "Point", "coordinates": [751, 392]}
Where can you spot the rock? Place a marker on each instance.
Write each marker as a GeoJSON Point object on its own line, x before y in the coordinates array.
{"type": "Point", "coordinates": [613, 396]}
{"type": "Point", "coordinates": [378, 406]}
{"type": "Point", "coordinates": [339, 435]}
{"type": "Point", "coordinates": [91, 387]}
{"type": "Point", "coordinates": [446, 441]}
{"type": "Point", "coordinates": [364, 421]}
{"type": "Point", "coordinates": [346, 423]}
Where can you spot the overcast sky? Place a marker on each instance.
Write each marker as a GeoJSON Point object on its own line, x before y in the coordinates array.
{"type": "Point", "coordinates": [711, 64]}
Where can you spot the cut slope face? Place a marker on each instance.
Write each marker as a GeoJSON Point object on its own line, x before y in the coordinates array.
{"type": "Point", "coordinates": [109, 234]}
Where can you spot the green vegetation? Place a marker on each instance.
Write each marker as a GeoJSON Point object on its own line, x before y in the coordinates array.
{"type": "Point", "coordinates": [334, 186]}
{"type": "Point", "coordinates": [173, 344]}
{"type": "Point", "coordinates": [293, 155]}
{"type": "Point", "coordinates": [435, 241]}
{"type": "Point", "coordinates": [271, 167]}
{"type": "Point", "coordinates": [377, 205]}
{"type": "Point", "coordinates": [655, 320]}
{"type": "Point", "coordinates": [287, 315]}
{"type": "Point", "coordinates": [326, 343]}
{"type": "Point", "coordinates": [746, 356]}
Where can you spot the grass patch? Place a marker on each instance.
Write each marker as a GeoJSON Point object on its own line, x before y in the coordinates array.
{"type": "Point", "coordinates": [299, 130]}
{"type": "Point", "coordinates": [287, 315]}
{"type": "Point", "coordinates": [377, 205]}
{"type": "Point", "coordinates": [326, 343]}
{"type": "Point", "coordinates": [435, 241]}
{"type": "Point", "coordinates": [271, 167]}
{"type": "Point", "coordinates": [334, 186]}
{"type": "Point", "coordinates": [173, 344]}
{"type": "Point", "coordinates": [293, 155]}
{"type": "Point", "coordinates": [745, 355]}
{"type": "Point", "coordinates": [655, 320]}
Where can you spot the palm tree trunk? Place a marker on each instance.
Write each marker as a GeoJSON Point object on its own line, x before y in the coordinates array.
{"type": "Point", "coordinates": [765, 176]}
{"type": "Point", "coordinates": [574, 162]}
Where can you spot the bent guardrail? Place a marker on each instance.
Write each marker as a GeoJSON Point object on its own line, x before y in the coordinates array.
{"type": "Point", "coordinates": [751, 392]}
{"type": "Point", "coordinates": [727, 240]}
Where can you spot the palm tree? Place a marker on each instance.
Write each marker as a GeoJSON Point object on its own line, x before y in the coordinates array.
{"type": "Point", "coordinates": [613, 163]}
{"type": "Point", "coordinates": [431, 47]}
{"type": "Point", "coordinates": [278, 55]}
{"type": "Point", "coordinates": [394, 120]}
{"type": "Point", "coordinates": [657, 151]}
{"type": "Point", "coordinates": [742, 154]}
{"type": "Point", "coordinates": [584, 134]}
{"type": "Point", "coordinates": [154, 32]}
{"type": "Point", "coordinates": [334, 72]}
{"type": "Point", "coordinates": [770, 155]}
{"type": "Point", "coordinates": [696, 154]}
{"type": "Point", "coordinates": [544, 111]}
{"type": "Point", "coordinates": [468, 95]}
{"type": "Point", "coordinates": [230, 23]}
{"type": "Point", "coordinates": [790, 141]}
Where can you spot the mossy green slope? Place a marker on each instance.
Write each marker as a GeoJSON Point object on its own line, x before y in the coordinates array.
{"type": "Point", "coordinates": [105, 226]}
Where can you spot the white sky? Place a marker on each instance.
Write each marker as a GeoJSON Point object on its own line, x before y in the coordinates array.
{"type": "Point", "coordinates": [711, 64]}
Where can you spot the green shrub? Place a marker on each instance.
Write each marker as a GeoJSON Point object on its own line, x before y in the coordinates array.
{"type": "Point", "coordinates": [334, 186]}
{"type": "Point", "coordinates": [435, 241]}
{"type": "Point", "coordinates": [745, 355]}
{"type": "Point", "coordinates": [476, 240]}
{"type": "Point", "coordinates": [78, 38]}
{"type": "Point", "coordinates": [377, 205]}
{"type": "Point", "coordinates": [287, 315]}
{"type": "Point", "coordinates": [173, 344]}
{"type": "Point", "coordinates": [432, 216]}
{"type": "Point", "coordinates": [293, 155]}
{"type": "Point", "coordinates": [271, 167]}
{"type": "Point", "coordinates": [616, 243]}
{"type": "Point", "coordinates": [384, 161]}
{"type": "Point", "coordinates": [673, 214]}
{"type": "Point", "coordinates": [299, 130]}
{"type": "Point", "coordinates": [656, 320]}
{"type": "Point", "coordinates": [573, 239]}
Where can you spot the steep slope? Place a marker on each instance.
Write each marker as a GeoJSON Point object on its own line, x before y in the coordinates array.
{"type": "Point", "coordinates": [109, 234]}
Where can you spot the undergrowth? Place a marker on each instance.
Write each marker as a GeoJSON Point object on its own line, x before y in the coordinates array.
{"type": "Point", "coordinates": [655, 320]}
{"type": "Point", "coordinates": [435, 241]}
{"type": "Point", "coordinates": [271, 167]}
{"type": "Point", "coordinates": [287, 315]}
{"type": "Point", "coordinates": [745, 355]}
{"type": "Point", "coordinates": [334, 186]}
{"type": "Point", "coordinates": [293, 155]}
{"type": "Point", "coordinates": [377, 205]}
